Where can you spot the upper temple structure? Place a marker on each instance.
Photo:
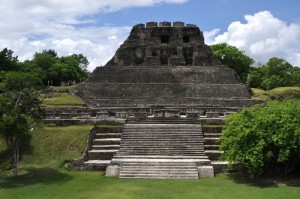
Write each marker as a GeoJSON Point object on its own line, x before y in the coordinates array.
{"type": "Point", "coordinates": [164, 45]}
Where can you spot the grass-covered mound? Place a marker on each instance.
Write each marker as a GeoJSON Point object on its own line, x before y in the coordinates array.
{"type": "Point", "coordinates": [279, 94]}
{"type": "Point", "coordinates": [60, 96]}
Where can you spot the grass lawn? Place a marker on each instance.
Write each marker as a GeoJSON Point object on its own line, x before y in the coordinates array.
{"type": "Point", "coordinates": [49, 183]}
{"type": "Point", "coordinates": [41, 177]}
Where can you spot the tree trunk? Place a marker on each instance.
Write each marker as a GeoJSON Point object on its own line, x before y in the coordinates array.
{"type": "Point", "coordinates": [15, 162]}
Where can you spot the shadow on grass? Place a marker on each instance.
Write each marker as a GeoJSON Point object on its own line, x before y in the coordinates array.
{"type": "Point", "coordinates": [240, 178]}
{"type": "Point", "coordinates": [264, 182]}
{"type": "Point", "coordinates": [35, 176]}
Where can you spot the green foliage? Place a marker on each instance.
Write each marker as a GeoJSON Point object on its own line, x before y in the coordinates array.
{"type": "Point", "coordinates": [19, 111]}
{"type": "Point", "coordinates": [7, 61]}
{"type": "Point", "coordinates": [276, 73]}
{"type": "Point", "coordinates": [60, 70]}
{"type": "Point", "coordinates": [234, 58]}
{"type": "Point", "coordinates": [264, 139]}
{"type": "Point", "coordinates": [47, 66]}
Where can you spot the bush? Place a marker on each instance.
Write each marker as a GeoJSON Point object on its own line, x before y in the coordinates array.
{"type": "Point", "coordinates": [264, 139]}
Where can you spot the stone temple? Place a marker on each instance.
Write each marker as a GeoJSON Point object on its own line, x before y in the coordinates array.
{"type": "Point", "coordinates": [167, 86]}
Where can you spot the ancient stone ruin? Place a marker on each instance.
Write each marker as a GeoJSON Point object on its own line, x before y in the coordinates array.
{"type": "Point", "coordinates": [167, 86]}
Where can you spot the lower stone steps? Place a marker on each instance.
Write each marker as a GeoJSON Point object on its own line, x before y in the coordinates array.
{"type": "Point", "coordinates": [163, 170]}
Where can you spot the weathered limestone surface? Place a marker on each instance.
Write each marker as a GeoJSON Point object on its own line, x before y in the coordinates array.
{"type": "Point", "coordinates": [112, 171]}
{"type": "Point", "coordinates": [166, 72]}
{"type": "Point", "coordinates": [164, 65]}
{"type": "Point", "coordinates": [206, 172]}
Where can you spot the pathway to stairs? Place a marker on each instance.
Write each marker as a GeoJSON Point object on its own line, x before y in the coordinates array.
{"type": "Point", "coordinates": [163, 149]}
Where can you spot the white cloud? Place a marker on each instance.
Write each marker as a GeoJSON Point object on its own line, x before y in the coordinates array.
{"type": "Point", "coordinates": [30, 26]}
{"type": "Point", "coordinates": [262, 36]}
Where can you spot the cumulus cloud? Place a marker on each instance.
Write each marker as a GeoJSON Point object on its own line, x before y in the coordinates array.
{"type": "Point", "coordinates": [30, 26]}
{"type": "Point", "coordinates": [262, 36]}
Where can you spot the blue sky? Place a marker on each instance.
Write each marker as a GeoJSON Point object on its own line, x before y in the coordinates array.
{"type": "Point", "coordinates": [95, 28]}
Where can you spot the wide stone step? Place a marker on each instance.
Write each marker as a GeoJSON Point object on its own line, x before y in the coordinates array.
{"type": "Point", "coordinates": [211, 147]}
{"type": "Point", "coordinates": [163, 158]}
{"type": "Point", "coordinates": [159, 170]}
{"type": "Point", "coordinates": [212, 135]}
{"type": "Point", "coordinates": [165, 153]}
{"type": "Point", "coordinates": [162, 126]}
{"type": "Point", "coordinates": [182, 149]}
{"type": "Point", "coordinates": [101, 154]}
{"type": "Point", "coordinates": [104, 147]}
{"type": "Point", "coordinates": [170, 136]}
{"type": "Point", "coordinates": [107, 141]}
{"type": "Point", "coordinates": [100, 162]}
{"type": "Point", "coordinates": [213, 154]}
{"type": "Point", "coordinates": [161, 134]}
{"type": "Point", "coordinates": [212, 129]}
{"type": "Point", "coordinates": [155, 128]}
{"type": "Point", "coordinates": [164, 121]}
{"type": "Point", "coordinates": [211, 141]}
{"type": "Point", "coordinates": [108, 135]}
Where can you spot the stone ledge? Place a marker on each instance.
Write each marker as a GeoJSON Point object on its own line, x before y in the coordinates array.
{"type": "Point", "coordinates": [206, 172]}
{"type": "Point", "coordinates": [112, 171]}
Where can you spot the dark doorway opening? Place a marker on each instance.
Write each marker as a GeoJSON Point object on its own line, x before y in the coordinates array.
{"type": "Point", "coordinates": [165, 39]}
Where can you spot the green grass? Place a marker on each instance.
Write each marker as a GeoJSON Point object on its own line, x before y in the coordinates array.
{"type": "Point", "coordinates": [41, 176]}
{"type": "Point", "coordinates": [281, 93]}
{"type": "Point", "coordinates": [53, 145]}
{"type": "Point", "coordinates": [60, 100]}
{"type": "Point", "coordinates": [49, 183]}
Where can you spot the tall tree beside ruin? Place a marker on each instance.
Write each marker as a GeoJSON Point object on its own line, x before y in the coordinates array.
{"type": "Point", "coordinates": [234, 58]}
{"type": "Point", "coordinates": [8, 62]}
{"type": "Point", "coordinates": [276, 72]}
{"type": "Point", "coordinates": [19, 111]}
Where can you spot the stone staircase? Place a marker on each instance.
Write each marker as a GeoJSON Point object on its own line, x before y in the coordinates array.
{"type": "Point", "coordinates": [212, 129]}
{"type": "Point", "coordinates": [163, 149]}
{"type": "Point", "coordinates": [212, 134]}
{"type": "Point", "coordinates": [104, 144]}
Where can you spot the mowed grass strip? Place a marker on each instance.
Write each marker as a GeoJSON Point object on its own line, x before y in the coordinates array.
{"type": "Point", "coordinates": [48, 184]}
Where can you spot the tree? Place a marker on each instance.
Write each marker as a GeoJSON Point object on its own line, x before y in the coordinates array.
{"type": "Point", "coordinates": [19, 111]}
{"type": "Point", "coordinates": [276, 73]}
{"type": "Point", "coordinates": [82, 61]}
{"type": "Point", "coordinates": [264, 139]}
{"type": "Point", "coordinates": [72, 68]}
{"type": "Point", "coordinates": [234, 58]}
{"type": "Point", "coordinates": [7, 61]}
{"type": "Point", "coordinates": [45, 60]}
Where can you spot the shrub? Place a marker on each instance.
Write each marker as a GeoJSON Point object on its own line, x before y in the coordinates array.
{"type": "Point", "coordinates": [264, 139]}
